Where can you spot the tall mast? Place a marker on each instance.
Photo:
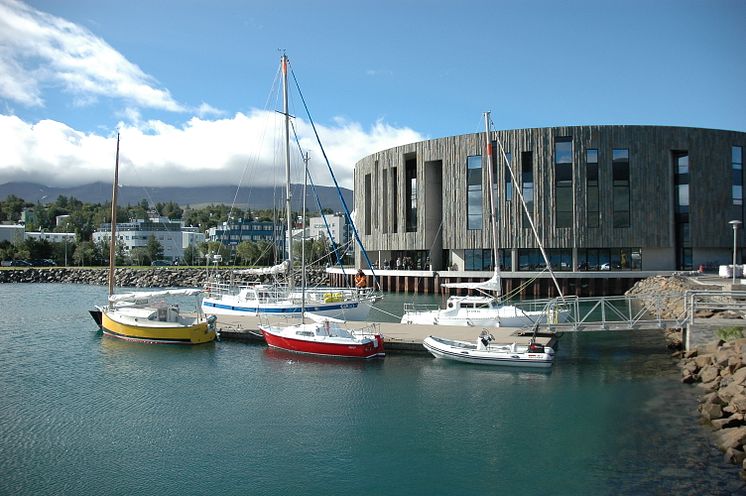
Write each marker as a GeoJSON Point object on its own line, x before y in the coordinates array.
{"type": "Point", "coordinates": [113, 240]}
{"type": "Point", "coordinates": [288, 212]}
{"type": "Point", "coordinates": [491, 178]}
{"type": "Point", "coordinates": [306, 158]}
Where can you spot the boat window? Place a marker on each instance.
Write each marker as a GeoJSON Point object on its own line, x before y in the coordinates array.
{"type": "Point", "coordinates": [304, 333]}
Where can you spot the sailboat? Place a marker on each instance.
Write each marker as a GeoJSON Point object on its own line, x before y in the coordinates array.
{"type": "Point", "coordinates": [281, 298]}
{"type": "Point", "coordinates": [325, 335]}
{"type": "Point", "coordinates": [484, 309]}
{"type": "Point", "coordinates": [146, 316]}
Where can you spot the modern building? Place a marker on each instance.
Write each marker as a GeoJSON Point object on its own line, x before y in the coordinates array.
{"type": "Point", "coordinates": [52, 237]}
{"type": "Point", "coordinates": [173, 235]}
{"type": "Point", "coordinates": [601, 198]}
{"type": "Point", "coordinates": [234, 231]}
{"type": "Point", "coordinates": [13, 233]}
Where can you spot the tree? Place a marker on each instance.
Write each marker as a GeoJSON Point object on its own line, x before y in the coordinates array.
{"type": "Point", "coordinates": [154, 248]}
{"type": "Point", "coordinates": [85, 253]}
{"type": "Point", "coordinates": [191, 255]}
{"type": "Point", "coordinates": [139, 256]}
{"type": "Point", "coordinates": [247, 252]}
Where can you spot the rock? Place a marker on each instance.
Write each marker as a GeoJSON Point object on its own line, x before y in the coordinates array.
{"type": "Point", "coordinates": [690, 354]}
{"type": "Point", "coordinates": [687, 377]}
{"type": "Point", "coordinates": [711, 411]}
{"type": "Point", "coordinates": [713, 398]}
{"type": "Point", "coordinates": [734, 456]}
{"type": "Point", "coordinates": [731, 438]}
{"type": "Point", "coordinates": [708, 374]}
{"type": "Point", "coordinates": [724, 423]}
{"type": "Point", "coordinates": [703, 360]}
{"type": "Point", "coordinates": [739, 376]}
{"type": "Point", "coordinates": [691, 367]}
{"type": "Point", "coordinates": [739, 402]}
{"type": "Point", "coordinates": [710, 386]}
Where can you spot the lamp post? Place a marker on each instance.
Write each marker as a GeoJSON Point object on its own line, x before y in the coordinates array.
{"type": "Point", "coordinates": [735, 224]}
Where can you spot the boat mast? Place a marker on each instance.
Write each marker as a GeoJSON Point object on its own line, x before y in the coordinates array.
{"type": "Point", "coordinates": [112, 240]}
{"type": "Point", "coordinates": [288, 213]}
{"type": "Point", "coordinates": [490, 175]}
{"type": "Point", "coordinates": [306, 158]}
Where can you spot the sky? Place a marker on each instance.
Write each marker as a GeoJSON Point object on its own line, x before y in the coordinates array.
{"type": "Point", "coordinates": [192, 88]}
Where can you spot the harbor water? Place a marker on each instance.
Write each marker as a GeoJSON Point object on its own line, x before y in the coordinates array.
{"type": "Point", "coordinates": [85, 414]}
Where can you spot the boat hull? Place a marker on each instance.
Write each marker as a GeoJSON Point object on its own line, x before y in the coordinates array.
{"type": "Point", "coordinates": [369, 348]}
{"type": "Point", "coordinates": [350, 310]}
{"type": "Point", "coordinates": [114, 326]}
{"type": "Point", "coordinates": [440, 348]}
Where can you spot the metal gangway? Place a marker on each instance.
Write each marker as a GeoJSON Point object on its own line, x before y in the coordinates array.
{"type": "Point", "coordinates": [703, 315]}
{"type": "Point", "coordinates": [608, 313]}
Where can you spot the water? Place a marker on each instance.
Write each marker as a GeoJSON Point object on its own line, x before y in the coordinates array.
{"type": "Point", "coordinates": [83, 414]}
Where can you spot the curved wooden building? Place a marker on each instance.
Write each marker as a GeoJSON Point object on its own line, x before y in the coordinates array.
{"type": "Point", "coordinates": [602, 198]}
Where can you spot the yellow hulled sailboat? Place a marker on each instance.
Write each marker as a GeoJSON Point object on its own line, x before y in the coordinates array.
{"type": "Point", "coordinates": [146, 316]}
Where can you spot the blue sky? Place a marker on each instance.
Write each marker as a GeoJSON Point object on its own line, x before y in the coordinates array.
{"type": "Point", "coordinates": [187, 82]}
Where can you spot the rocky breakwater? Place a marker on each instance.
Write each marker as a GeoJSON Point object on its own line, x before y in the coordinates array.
{"type": "Point", "coordinates": [720, 370]}
{"type": "Point", "coordinates": [155, 277]}
{"type": "Point", "coordinates": [665, 294]}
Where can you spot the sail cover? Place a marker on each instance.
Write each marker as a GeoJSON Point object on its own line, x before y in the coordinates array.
{"type": "Point", "coordinates": [144, 295]}
{"type": "Point", "coordinates": [491, 284]}
{"type": "Point", "coordinates": [274, 270]}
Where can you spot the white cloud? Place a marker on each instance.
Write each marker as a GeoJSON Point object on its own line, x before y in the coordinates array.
{"type": "Point", "coordinates": [246, 148]}
{"type": "Point", "coordinates": [38, 49]}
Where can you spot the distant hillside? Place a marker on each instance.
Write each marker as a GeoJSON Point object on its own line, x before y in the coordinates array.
{"type": "Point", "coordinates": [254, 198]}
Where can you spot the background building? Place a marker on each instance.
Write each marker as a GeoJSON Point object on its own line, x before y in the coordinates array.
{"type": "Point", "coordinates": [602, 198]}
{"type": "Point", "coordinates": [171, 234]}
{"type": "Point", "coordinates": [234, 231]}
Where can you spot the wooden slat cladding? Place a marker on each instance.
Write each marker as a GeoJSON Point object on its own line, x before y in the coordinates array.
{"type": "Point", "coordinates": [651, 189]}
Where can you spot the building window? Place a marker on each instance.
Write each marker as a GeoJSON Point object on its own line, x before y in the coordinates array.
{"type": "Point", "coordinates": [385, 218]}
{"type": "Point", "coordinates": [478, 260]}
{"type": "Point", "coordinates": [563, 181]}
{"type": "Point", "coordinates": [681, 210]}
{"type": "Point", "coordinates": [621, 200]}
{"type": "Point", "coordinates": [508, 178]}
{"type": "Point", "coordinates": [474, 191]}
{"type": "Point", "coordinates": [394, 201]}
{"type": "Point", "coordinates": [737, 166]}
{"type": "Point", "coordinates": [368, 200]}
{"type": "Point", "coordinates": [527, 184]}
{"type": "Point", "coordinates": [592, 209]}
{"type": "Point", "coordinates": [410, 167]}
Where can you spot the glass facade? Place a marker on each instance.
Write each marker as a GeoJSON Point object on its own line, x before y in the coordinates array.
{"type": "Point", "coordinates": [474, 192]}
{"type": "Point", "coordinates": [737, 167]}
{"type": "Point", "coordinates": [508, 178]}
{"type": "Point", "coordinates": [592, 198]}
{"type": "Point", "coordinates": [410, 167]}
{"type": "Point", "coordinates": [563, 177]}
{"type": "Point", "coordinates": [527, 184]}
{"type": "Point", "coordinates": [621, 192]}
{"type": "Point", "coordinates": [681, 210]}
{"type": "Point", "coordinates": [478, 260]}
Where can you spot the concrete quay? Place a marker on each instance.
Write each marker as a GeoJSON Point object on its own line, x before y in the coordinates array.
{"type": "Point", "coordinates": [396, 337]}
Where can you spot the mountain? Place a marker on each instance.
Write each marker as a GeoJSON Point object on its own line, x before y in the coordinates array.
{"type": "Point", "coordinates": [255, 198]}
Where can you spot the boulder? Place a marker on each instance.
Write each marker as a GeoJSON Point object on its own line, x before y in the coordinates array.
{"type": "Point", "coordinates": [709, 373]}
{"type": "Point", "coordinates": [739, 376]}
{"type": "Point", "coordinates": [711, 411]}
{"type": "Point", "coordinates": [703, 360]}
{"type": "Point", "coordinates": [731, 438]}
{"type": "Point", "coordinates": [734, 456]}
{"type": "Point", "coordinates": [739, 402]}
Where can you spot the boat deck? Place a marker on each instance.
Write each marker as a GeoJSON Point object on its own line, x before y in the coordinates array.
{"type": "Point", "coordinates": [396, 337]}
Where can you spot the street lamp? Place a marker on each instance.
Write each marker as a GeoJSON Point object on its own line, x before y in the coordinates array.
{"type": "Point", "coordinates": [735, 224]}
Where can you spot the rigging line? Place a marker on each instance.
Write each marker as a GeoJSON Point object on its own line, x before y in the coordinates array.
{"type": "Point", "coordinates": [334, 178]}
{"type": "Point", "coordinates": [253, 160]}
{"type": "Point", "coordinates": [530, 218]}
{"type": "Point", "coordinates": [318, 203]}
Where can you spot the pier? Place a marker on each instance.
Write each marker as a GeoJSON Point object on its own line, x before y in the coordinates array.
{"type": "Point", "coordinates": [397, 337]}
{"type": "Point", "coordinates": [579, 283]}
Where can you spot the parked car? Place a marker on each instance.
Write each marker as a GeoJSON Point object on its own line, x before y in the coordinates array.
{"type": "Point", "coordinates": [159, 263]}
{"type": "Point", "coordinates": [605, 266]}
